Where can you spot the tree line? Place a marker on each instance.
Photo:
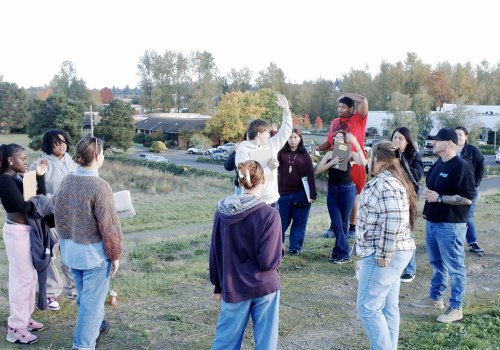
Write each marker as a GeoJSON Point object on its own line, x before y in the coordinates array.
{"type": "Point", "coordinates": [409, 89]}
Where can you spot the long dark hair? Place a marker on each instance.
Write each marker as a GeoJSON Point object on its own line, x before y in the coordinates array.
{"type": "Point", "coordinates": [7, 151]}
{"type": "Point", "coordinates": [410, 148]}
{"type": "Point", "coordinates": [387, 153]}
{"type": "Point", "coordinates": [51, 138]}
{"type": "Point", "coordinates": [301, 149]}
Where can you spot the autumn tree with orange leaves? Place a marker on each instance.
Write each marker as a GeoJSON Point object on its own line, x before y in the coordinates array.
{"type": "Point", "coordinates": [318, 123]}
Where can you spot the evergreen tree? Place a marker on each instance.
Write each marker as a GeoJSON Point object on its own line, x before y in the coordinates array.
{"type": "Point", "coordinates": [13, 107]}
{"type": "Point", "coordinates": [57, 112]}
{"type": "Point", "coordinates": [117, 125]}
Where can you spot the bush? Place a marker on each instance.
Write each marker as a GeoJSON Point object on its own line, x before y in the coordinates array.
{"type": "Point", "coordinates": [148, 140]}
{"type": "Point", "coordinates": [486, 149]}
{"type": "Point", "coordinates": [157, 146]}
{"type": "Point", "coordinates": [139, 138]}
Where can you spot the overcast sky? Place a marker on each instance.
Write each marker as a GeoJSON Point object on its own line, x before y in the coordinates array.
{"type": "Point", "coordinates": [306, 39]}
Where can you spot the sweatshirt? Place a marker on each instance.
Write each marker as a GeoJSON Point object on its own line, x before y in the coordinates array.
{"type": "Point", "coordinates": [246, 249]}
{"type": "Point", "coordinates": [270, 192]}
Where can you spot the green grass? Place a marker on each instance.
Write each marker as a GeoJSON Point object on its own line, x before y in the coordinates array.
{"type": "Point", "coordinates": [165, 297]}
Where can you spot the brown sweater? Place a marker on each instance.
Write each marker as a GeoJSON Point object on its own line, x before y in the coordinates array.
{"type": "Point", "coordinates": [85, 213]}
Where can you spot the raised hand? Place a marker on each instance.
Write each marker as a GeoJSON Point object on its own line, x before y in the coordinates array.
{"type": "Point", "coordinates": [42, 165]}
{"type": "Point", "coordinates": [282, 102]}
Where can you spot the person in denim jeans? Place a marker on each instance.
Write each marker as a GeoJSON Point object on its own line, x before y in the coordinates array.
{"type": "Point", "coordinates": [341, 194]}
{"type": "Point", "coordinates": [414, 168]}
{"type": "Point", "coordinates": [91, 238]}
{"type": "Point", "coordinates": [449, 193]}
{"type": "Point", "coordinates": [294, 203]}
{"type": "Point", "coordinates": [245, 254]}
{"type": "Point", "coordinates": [386, 215]}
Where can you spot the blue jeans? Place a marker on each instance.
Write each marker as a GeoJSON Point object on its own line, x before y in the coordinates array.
{"type": "Point", "coordinates": [233, 320]}
{"type": "Point", "coordinates": [445, 250]}
{"type": "Point", "coordinates": [411, 268]}
{"type": "Point", "coordinates": [471, 228]}
{"type": "Point", "coordinates": [294, 208]}
{"type": "Point", "coordinates": [340, 200]}
{"type": "Point", "coordinates": [378, 299]}
{"type": "Point", "coordinates": [92, 288]}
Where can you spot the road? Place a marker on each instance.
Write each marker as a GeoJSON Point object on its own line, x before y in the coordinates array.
{"type": "Point", "coordinates": [180, 157]}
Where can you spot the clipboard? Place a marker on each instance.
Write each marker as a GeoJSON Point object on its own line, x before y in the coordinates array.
{"type": "Point", "coordinates": [29, 185]}
{"type": "Point", "coordinates": [307, 190]}
{"type": "Point", "coordinates": [342, 150]}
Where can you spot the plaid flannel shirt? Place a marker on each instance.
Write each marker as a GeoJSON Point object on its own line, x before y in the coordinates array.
{"type": "Point", "coordinates": [383, 218]}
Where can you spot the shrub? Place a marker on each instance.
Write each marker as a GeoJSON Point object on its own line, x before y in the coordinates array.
{"type": "Point", "coordinates": [139, 138]}
{"type": "Point", "coordinates": [157, 146]}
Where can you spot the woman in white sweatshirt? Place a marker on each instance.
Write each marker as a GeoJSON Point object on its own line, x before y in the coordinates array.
{"type": "Point", "coordinates": [263, 148]}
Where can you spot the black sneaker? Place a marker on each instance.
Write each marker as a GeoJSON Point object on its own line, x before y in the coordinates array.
{"type": "Point", "coordinates": [339, 261]}
{"type": "Point", "coordinates": [475, 248]}
{"type": "Point", "coordinates": [407, 278]}
{"type": "Point", "coordinates": [103, 329]}
{"type": "Point", "coordinates": [294, 252]}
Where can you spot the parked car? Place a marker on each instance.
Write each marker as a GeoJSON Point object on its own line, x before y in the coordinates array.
{"type": "Point", "coordinates": [497, 156]}
{"type": "Point", "coordinates": [200, 149]}
{"type": "Point", "coordinates": [146, 156]}
{"type": "Point", "coordinates": [428, 148]}
{"type": "Point", "coordinates": [160, 159]}
{"type": "Point", "coordinates": [219, 154]}
{"type": "Point", "coordinates": [227, 146]}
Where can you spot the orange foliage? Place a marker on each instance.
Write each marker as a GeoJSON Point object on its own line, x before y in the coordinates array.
{"type": "Point", "coordinates": [318, 123]}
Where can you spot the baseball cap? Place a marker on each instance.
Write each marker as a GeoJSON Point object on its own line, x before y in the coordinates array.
{"type": "Point", "coordinates": [446, 134]}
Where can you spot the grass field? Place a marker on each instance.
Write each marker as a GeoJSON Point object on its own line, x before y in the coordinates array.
{"type": "Point", "coordinates": [165, 298]}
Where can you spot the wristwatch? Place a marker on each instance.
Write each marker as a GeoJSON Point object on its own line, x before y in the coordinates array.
{"type": "Point", "coordinates": [440, 199]}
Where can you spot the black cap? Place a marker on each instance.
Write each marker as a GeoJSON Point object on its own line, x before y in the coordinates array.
{"type": "Point", "coordinates": [446, 134]}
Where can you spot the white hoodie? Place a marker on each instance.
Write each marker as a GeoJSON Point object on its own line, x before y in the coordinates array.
{"type": "Point", "coordinates": [270, 192]}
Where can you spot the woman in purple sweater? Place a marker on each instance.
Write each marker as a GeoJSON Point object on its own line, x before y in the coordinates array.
{"type": "Point", "coordinates": [245, 254]}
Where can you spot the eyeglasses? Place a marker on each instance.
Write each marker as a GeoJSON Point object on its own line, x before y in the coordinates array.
{"type": "Point", "coordinates": [59, 142]}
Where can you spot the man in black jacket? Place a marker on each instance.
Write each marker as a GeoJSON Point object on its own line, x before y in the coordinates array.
{"type": "Point", "coordinates": [475, 159]}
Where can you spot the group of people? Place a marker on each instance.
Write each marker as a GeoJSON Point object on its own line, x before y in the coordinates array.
{"type": "Point", "coordinates": [246, 249]}
{"type": "Point", "coordinates": [73, 212]}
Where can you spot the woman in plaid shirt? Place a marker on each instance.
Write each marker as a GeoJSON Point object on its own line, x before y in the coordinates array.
{"type": "Point", "coordinates": [386, 214]}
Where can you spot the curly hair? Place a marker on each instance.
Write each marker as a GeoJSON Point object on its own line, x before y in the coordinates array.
{"type": "Point", "coordinates": [51, 138]}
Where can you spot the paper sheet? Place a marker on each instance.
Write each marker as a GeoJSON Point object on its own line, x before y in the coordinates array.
{"type": "Point", "coordinates": [123, 204]}
{"type": "Point", "coordinates": [29, 184]}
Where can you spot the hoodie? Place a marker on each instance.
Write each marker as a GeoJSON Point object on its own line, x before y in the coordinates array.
{"type": "Point", "coordinates": [246, 249]}
{"type": "Point", "coordinates": [56, 171]}
{"type": "Point", "coordinates": [245, 149]}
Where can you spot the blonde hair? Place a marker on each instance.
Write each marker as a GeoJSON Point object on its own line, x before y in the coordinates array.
{"type": "Point", "coordinates": [390, 156]}
{"type": "Point", "coordinates": [250, 174]}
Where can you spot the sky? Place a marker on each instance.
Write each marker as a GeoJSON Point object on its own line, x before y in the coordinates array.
{"type": "Point", "coordinates": [308, 40]}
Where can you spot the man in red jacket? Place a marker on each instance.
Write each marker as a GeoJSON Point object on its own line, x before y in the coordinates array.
{"type": "Point", "coordinates": [353, 116]}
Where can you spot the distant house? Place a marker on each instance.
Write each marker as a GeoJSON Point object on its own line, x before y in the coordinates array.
{"type": "Point", "coordinates": [172, 125]}
{"type": "Point", "coordinates": [87, 128]}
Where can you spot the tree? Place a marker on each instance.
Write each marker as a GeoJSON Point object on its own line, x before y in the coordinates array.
{"type": "Point", "coordinates": [56, 112]}
{"type": "Point", "coordinates": [318, 123]}
{"type": "Point", "coordinates": [13, 107]}
{"type": "Point", "coordinates": [239, 80]}
{"type": "Point", "coordinates": [146, 71]}
{"type": "Point", "coordinates": [106, 95]}
{"type": "Point", "coordinates": [295, 121]}
{"type": "Point", "coordinates": [272, 78]}
{"type": "Point", "coordinates": [205, 87]}
{"type": "Point", "coordinates": [307, 122]}
{"type": "Point", "coordinates": [157, 147]}
{"type": "Point", "coordinates": [266, 98]}
{"type": "Point", "coordinates": [399, 106]}
{"type": "Point", "coordinates": [117, 125]}
{"type": "Point", "coordinates": [232, 115]}
{"type": "Point", "coordinates": [68, 84]}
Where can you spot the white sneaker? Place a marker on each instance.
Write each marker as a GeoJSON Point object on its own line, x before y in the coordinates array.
{"type": "Point", "coordinates": [20, 336]}
{"type": "Point", "coordinates": [450, 315]}
{"type": "Point", "coordinates": [53, 304]}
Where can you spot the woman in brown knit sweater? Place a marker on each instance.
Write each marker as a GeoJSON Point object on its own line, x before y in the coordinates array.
{"type": "Point", "coordinates": [90, 238]}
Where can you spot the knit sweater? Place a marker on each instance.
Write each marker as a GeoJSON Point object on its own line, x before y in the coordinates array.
{"type": "Point", "coordinates": [85, 213]}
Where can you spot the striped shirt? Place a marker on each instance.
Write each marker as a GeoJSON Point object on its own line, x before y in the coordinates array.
{"type": "Point", "coordinates": [383, 218]}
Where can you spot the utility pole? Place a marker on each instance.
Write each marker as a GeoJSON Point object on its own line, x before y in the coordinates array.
{"type": "Point", "coordinates": [91, 122]}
